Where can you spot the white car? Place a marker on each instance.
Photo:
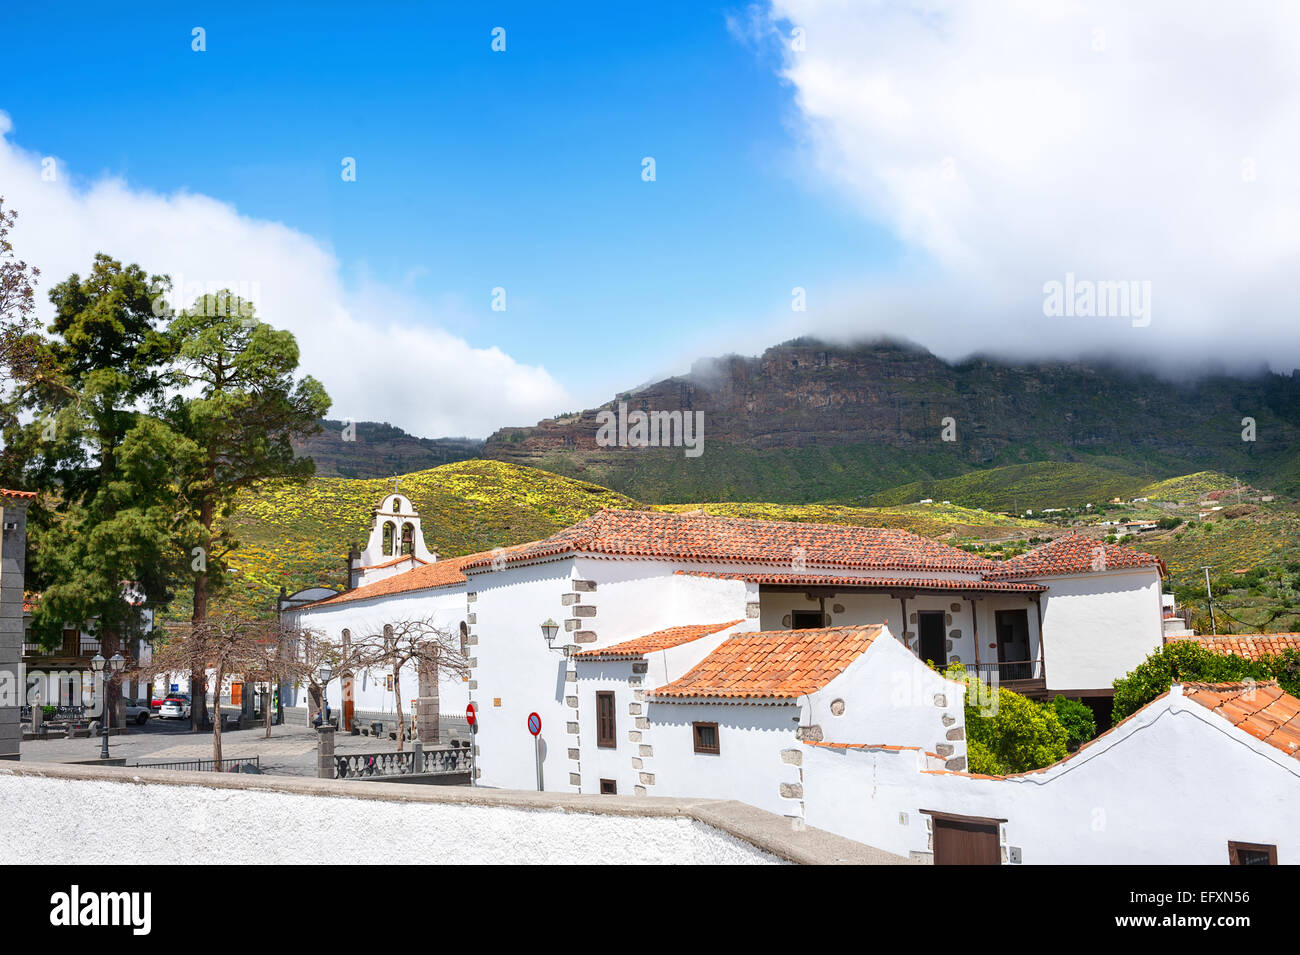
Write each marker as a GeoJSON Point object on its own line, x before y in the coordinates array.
{"type": "Point", "coordinates": [137, 712]}
{"type": "Point", "coordinates": [174, 709]}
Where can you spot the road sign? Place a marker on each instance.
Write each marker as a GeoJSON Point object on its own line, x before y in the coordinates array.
{"type": "Point", "coordinates": [469, 714]}
{"type": "Point", "coordinates": [534, 723]}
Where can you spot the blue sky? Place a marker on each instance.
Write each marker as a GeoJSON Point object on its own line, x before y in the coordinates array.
{"type": "Point", "coordinates": [475, 169]}
{"type": "Point", "coordinates": [922, 169]}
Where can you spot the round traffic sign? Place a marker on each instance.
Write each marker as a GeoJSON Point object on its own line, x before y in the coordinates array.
{"type": "Point", "coordinates": [534, 723]}
{"type": "Point", "coordinates": [469, 714]}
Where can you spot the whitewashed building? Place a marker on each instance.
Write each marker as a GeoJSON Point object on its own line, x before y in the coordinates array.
{"type": "Point", "coordinates": [1206, 774]}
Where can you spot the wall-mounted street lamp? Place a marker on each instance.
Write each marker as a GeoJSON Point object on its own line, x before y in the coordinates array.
{"type": "Point", "coordinates": [549, 630]}
{"type": "Point", "coordinates": [115, 666]}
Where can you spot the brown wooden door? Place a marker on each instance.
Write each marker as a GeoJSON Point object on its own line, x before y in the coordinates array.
{"type": "Point", "coordinates": [965, 842]}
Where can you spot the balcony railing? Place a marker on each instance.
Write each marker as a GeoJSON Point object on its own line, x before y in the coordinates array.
{"type": "Point", "coordinates": [1009, 671]}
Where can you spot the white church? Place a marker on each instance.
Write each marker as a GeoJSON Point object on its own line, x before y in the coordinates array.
{"type": "Point", "coordinates": [692, 655]}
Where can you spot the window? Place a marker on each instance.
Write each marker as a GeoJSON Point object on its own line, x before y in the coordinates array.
{"type": "Point", "coordinates": [805, 619]}
{"type": "Point", "coordinates": [464, 638]}
{"type": "Point", "coordinates": [706, 737]}
{"type": "Point", "coordinates": [1251, 853]}
{"type": "Point", "coordinates": [389, 530]}
{"type": "Point", "coordinates": [606, 733]}
{"type": "Point", "coordinates": [608, 787]}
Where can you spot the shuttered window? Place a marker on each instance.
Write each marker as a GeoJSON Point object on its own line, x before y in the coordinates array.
{"type": "Point", "coordinates": [706, 737]}
{"type": "Point", "coordinates": [606, 732]}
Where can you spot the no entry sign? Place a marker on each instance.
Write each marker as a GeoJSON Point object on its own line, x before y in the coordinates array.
{"type": "Point", "coordinates": [534, 723]}
{"type": "Point", "coordinates": [469, 714]}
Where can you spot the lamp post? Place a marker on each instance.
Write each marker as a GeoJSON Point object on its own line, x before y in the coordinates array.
{"type": "Point", "coordinates": [549, 629]}
{"type": "Point", "coordinates": [115, 666]}
{"type": "Point", "coordinates": [326, 671]}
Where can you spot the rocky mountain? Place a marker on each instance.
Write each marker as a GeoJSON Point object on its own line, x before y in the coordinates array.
{"type": "Point", "coordinates": [809, 421]}
{"type": "Point", "coordinates": [373, 450]}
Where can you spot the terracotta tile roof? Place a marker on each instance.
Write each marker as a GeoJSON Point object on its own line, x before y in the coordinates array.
{"type": "Point", "coordinates": [1252, 646]}
{"type": "Point", "coordinates": [775, 664]}
{"type": "Point", "coordinates": [704, 537]}
{"type": "Point", "coordinates": [896, 583]}
{"type": "Point", "coordinates": [20, 495]}
{"type": "Point", "coordinates": [1073, 554]}
{"type": "Point", "coordinates": [441, 573]}
{"type": "Point", "coordinates": [1261, 709]}
{"type": "Point", "coordinates": [659, 640]}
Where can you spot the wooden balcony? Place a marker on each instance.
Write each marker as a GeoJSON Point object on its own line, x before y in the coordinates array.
{"type": "Point", "coordinates": [1019, 676]}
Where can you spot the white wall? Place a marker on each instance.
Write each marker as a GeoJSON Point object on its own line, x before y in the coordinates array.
{"type": "Point", "coordinates": [748, 766]}
{"type": "Point", "coordinates": [61, 821]}
{"type": "Point", "coordinates": [889, 696]}
{"type": "Point", "coordinates": [1099, 626]}
{"type": "Point", "coordinates": [1172, 785]}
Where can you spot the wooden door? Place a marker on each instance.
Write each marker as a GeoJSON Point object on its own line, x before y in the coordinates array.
{"type": "Point", "coordinates": [966, 842]}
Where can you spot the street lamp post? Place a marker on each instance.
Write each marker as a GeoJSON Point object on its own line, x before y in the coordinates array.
{"type": "Point", "coordinates": [115, 667]}
{"type": "Point", "coordinates": [326, 671]}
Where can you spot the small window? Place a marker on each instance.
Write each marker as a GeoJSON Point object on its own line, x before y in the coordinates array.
{"type": "Point", "coordinates": [606, 732]}
{"type": "Point", "coordinates": [608, 787]}
{"type": "Point", "coordinates": [1251, 853]}
{"type": "Point", "coordinates": [806, 620]}
{"type": "Point", "coordinates": [464, 638]}
{"type": "Point", "coordinates": [706, 737]}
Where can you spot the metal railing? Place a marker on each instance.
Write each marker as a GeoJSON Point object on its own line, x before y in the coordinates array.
{"type": "Point", "coordinates": [241, 764]}
{"type": "Point", "coordinates": [1007, 671]}
{"type": "Point", "coordinates": [441, 759]}
{"type": "Point", "coordinates": [62, 714]}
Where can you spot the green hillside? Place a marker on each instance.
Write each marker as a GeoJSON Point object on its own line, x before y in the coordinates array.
{"type": "Point", "coordinates": [1022, 486]}
{"type": "Point", "coordinates": [297, 535]}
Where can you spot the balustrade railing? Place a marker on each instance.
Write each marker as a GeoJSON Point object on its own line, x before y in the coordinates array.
{"type": "Point", "coordinates": [441, 759]}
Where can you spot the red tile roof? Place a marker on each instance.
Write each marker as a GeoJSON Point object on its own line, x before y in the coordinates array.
{"type": "Point", "coordinates": [395, 561]}
{"type": "Point", "coordinates": [776, 664]}
{"type": "Point", "coordinates": [704, 537]}
{"type": "Point", "coordinates": [896, 583]}
{"type": "Point", "coordinates": [441, 573]}
{"type": "Point", "coordinates": [1252, 646]}
{"type": "Point", "coordinates": [1261, 709]}
{"type": "Point", "coordinates": [637, 648]}
{"type": "Point", "coordinates": [1073, 554]}
{"type": "Point", "coordinates": [21, 495]}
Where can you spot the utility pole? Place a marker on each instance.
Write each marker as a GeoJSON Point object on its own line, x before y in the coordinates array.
{"type": "Point", "coordinates": [1210, 597]}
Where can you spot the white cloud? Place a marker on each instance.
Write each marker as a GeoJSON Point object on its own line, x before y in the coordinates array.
{"type": "Point", "coordinates": [1010, 143]}
{"type": "Point", "coordinates": [379, 352]}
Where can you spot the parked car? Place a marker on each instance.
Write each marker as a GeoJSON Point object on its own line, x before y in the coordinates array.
{"type": "Point", "coordinates": [174, 708]}
{"type": "Point", "coordinates": [136, 712]}
{"type": "Point", "coordinates": [156, 701]}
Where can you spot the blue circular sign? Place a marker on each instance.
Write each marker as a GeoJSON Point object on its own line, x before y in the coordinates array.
{"type": "Point", "coordinates": [534, 723]}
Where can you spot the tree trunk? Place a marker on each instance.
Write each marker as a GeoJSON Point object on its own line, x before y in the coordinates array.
{"type": "Point", "coordinates": [207, 513]}
{"type": "Point", "coordinates": [216, 719]}
{"type": "Point", "coordinates": [266, 706]}
{"type": "Point", "coordinates": [397, 694]}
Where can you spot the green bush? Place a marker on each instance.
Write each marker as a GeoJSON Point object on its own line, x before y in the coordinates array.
{"type": "Point", "coordinates": [1006, 732]}
{"type": "Point", "coordinates": [1077, 719]}
{"type": "Point", "coordinates": [1188, 661]}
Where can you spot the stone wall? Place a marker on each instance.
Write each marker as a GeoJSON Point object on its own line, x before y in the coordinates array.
{"type": "Point", "coordinates": [13, 559]}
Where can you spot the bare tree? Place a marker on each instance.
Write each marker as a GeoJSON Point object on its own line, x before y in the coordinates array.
{"type": "Point", "coordinates": [434, 651]}
{"type": "Point", "coordinates": [226, 644]}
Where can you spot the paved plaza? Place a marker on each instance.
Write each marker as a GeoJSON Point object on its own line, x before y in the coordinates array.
{"type": "Point", "coordinates": [290, 751]}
